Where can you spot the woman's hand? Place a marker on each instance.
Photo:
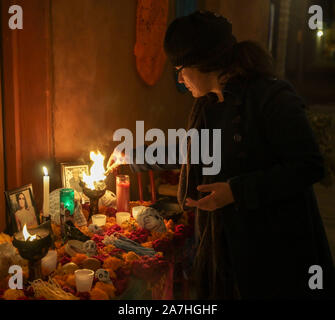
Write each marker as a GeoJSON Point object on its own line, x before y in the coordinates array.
{"type": "Point", "coordinates": [116, 159]}
{"type": "Point", "coordinates": [220, 196]}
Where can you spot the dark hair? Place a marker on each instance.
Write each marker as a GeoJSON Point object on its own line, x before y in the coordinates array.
{"type": "Point", "coordinates": [204, 40]}
{"type": "Point", "coordinates": [25, 200]}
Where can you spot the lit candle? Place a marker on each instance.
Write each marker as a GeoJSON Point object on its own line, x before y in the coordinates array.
{"type": "Point", "coordinates": [46, 190]}
{"type": "Point", "coordinates": [84, 279]}
{"type": "Point", "coordinates": [122, 193]}
{"type": "Point", "coordinates": [122, 217]}
{"type": "Point", "coordinates": [137, 210]}
{"type": "Point", "coordinates": [99, 219]}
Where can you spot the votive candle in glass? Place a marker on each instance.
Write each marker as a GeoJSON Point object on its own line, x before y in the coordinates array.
{"type": "Point", "coordinates": [122, 193]}
{"type": "Point", "coordinates": [67, 199]}
{"type": "Point", "coordinates": [122, 217]}
{"type": "Point", "coordinates": [99, 219]}
{"type": "Point", "coordinates": [84, 279]}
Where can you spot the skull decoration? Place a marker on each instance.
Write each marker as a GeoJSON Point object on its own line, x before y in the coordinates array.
{"type": "Point", "coordinates": [102, 275]}
{"type": "Point", "coordinates": [90, 248]}
{"type": "Point", "coordinates": [151, 220]}
{"type": "Point", "coordinates": [93, 228]}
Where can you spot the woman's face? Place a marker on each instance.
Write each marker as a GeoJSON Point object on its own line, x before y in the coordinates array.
{"type": "Point", "coordinates": [197, 82]}
{"type": "Point", "coordinates": [22, 200]}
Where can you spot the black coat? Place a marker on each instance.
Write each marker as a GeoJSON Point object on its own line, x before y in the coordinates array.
{"type": "Point", "coordinates": [268, 239]}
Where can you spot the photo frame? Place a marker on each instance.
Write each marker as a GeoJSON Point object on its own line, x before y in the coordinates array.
{"type": "Point", "coordinates": [22, 208]}
{"type": "Point", "coordinates": [71, 174]}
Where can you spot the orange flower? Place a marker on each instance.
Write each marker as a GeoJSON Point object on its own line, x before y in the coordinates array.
{"type": "Point", "coordinates": [130, 256]}
{"type": "Point", "coordinates": [169, 224]}
{"type": "Point", "coordinates": [71, 280]}
{"type": "Point", "coordinates": [107, 288]}
{"type": "Point", "coordinates": [147, 244]}
{"type": "Point", "coordinates": [107, 249]}
{"type": "Point", "coordinates": [13, 294]}
{"type": "Point", "coordinates": [112, 274]}
{"type": "Point", "coordinates": [79, 258]}
{"type": "Point", "coordinates": [110, 221]}
{"type": "Point", "coordinates": [98, 294]}
{"type": "Point", "coordinates": [112, 263]}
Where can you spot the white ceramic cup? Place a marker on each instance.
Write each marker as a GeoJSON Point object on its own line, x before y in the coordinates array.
{"type": "Point", "coordinates": [122, 217]}
{"type": "Point", "coordinates": [99, 219]}
{"type": "Point", "coordinates": [84, 279]}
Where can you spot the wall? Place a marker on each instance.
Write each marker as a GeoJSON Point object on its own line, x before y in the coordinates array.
{"type": "Point", "coordinates": [250, 19]}
{"type": "Point", "coordinates": [96, 86]}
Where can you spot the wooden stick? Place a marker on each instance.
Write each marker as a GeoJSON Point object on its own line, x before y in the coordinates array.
{"type": "Point", "coordinates": [152, 185]}
{"type": "Point", "coordinates": [139, 182]}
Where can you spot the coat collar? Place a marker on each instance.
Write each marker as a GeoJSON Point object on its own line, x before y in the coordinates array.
{"type": "Point", "coordinates": [235, 90]}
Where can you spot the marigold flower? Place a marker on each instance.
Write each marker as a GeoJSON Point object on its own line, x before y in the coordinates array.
{"type": "Point", "coordinates": [79, 258]}
{"type": "Point", "coordinates": [112, 263]}
{"type": "Point", "coordinates": [13, 294]}
{"type": "Point", "coordinates": [98, 294]}
{"type": "Point", "coordinates": [107, 288]}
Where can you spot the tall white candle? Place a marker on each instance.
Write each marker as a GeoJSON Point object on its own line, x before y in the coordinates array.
{"type": "Point", "coordinates": [46, 190]}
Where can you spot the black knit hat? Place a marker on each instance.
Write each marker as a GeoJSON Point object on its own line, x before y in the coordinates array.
{"type": "Point", "coordinates": [202, 39]}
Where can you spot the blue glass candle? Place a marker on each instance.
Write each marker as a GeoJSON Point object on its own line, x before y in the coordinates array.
{"type": "Point", "coordinates": [67, 200]}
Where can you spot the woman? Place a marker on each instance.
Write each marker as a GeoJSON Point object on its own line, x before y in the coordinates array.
{"type": "Point", "coordinates": [25, 214]}
{"type": "Point", "coordinates": [264, 231]}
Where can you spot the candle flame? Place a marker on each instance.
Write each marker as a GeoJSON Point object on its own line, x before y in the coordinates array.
{"type": "Point", "coordinates": [27, 235]}
{"type": "Point", "coordinates": [97, 171]}
{"type": "Point", "coordinates": [45, 170]}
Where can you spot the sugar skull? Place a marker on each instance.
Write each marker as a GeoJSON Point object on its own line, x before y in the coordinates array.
{"type": "Point", "coordinates": [90, 248]}
{"type": "Point", "coordinates": [151, 220]}
{"type": "Point", "coordinates": [102, 275]}
{"type": "Point", "coordinates": [93, 228]}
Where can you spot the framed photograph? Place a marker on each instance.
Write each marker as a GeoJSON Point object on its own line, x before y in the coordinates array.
{"type": "Point", "coordinates": [22, 208]}
{"type": "Point", "coordinates": [72, 174]}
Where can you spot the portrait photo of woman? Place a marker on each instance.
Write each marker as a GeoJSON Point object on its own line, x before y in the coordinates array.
{"type": "Point", "coordinates": [22, 208]}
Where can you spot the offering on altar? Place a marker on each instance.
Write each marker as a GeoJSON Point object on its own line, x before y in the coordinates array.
{"type": "Point", "coordinates": [122, 193]}
{"type": "Point", "coordinates": [49, 262]}
{"type": "Point", "coordinates": [150, 219]}
{"type": "Point", "coordinates": [137, 210]}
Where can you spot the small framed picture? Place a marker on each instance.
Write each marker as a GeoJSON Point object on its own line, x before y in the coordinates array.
{"type": "Point", "coordinates": [72, 174]}
{"type": "Point", "coordinates": [22, 208]}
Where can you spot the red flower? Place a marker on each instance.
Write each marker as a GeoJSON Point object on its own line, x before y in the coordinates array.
{"type": "Point", "coordinates": [114, 228]}
{"type": "Point", "coordinates": [140, 235]}
{"type": "Point", "coordinates": [110, 212]}
{"type": "Point", "coordinates": [66, 259]}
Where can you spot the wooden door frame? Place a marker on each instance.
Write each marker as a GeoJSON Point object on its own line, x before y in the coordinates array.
{"type": "Point", "coordinates": [27, 82]}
